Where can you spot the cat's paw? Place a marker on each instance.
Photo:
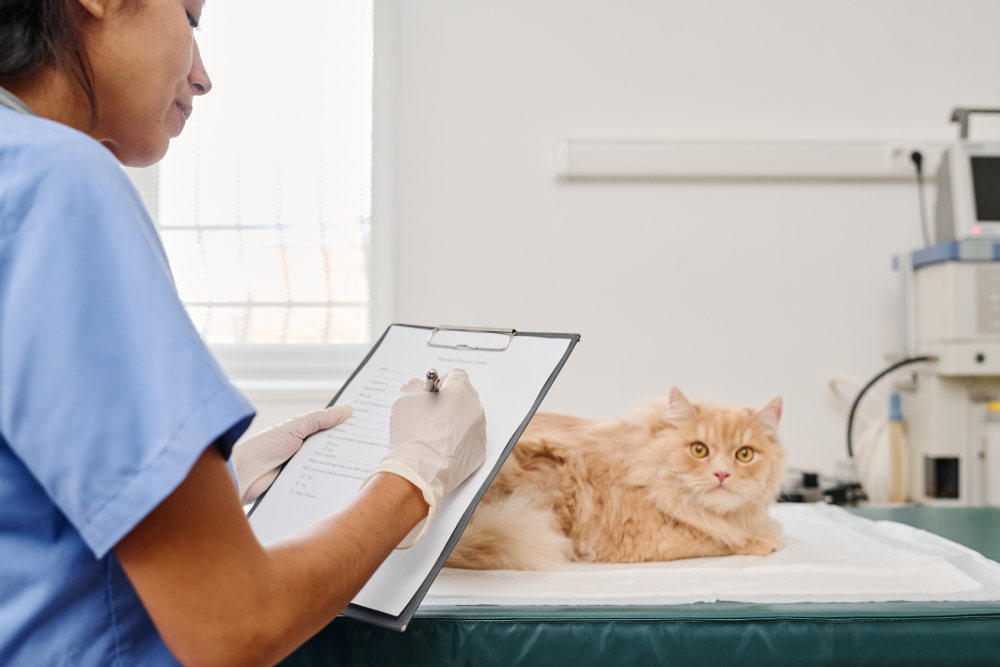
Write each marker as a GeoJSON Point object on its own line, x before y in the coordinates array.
{"type": "Point", "coordinates": [762, 545]}
{"type": "Point", "coordinates": [584, 553]}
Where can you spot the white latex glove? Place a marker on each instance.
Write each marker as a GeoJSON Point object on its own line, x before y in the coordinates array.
{"type": "Point", "coordinates": [257, 459]}
{"type": "Point", "coordinates": [436, 440]}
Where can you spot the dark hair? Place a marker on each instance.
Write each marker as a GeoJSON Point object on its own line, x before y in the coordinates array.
{"type": "Point", "coordinates": [36, 33]}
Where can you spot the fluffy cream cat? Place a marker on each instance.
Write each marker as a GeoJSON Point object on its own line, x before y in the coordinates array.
{"type": "Point", "coordinates": [674, 479]}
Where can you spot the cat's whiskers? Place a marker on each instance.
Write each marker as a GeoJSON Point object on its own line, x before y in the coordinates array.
{"type": "Point", "coordinates": [758, 503]}
{"type": "Point", "coordinates": [694, 492]}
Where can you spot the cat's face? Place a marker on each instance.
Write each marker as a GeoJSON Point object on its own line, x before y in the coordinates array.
{"type": "Point", "coordinates": [722, 457]}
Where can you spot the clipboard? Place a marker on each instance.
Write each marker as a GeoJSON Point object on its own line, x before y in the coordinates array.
{"type": "Point", "coordinates": [444, 337]}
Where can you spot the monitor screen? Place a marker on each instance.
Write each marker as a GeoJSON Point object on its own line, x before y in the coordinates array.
{"type": "Point", "coordinates": [986, 187]}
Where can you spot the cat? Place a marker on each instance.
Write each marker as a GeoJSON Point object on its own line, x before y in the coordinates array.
{"type": "Point", "coordinates": [674, 479]}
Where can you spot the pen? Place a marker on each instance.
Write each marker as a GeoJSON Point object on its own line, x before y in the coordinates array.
{"type": "Point", "coordinates": [433, 381]}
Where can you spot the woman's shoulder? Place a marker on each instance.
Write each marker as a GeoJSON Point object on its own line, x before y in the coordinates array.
{"type": "Point", "coordinates": [33, 148]}
{"type": "Point", "coordinates": [47, 165]}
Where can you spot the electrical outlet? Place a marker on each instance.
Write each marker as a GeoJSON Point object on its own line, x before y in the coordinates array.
{"type": "Point", "coordinates": [899, 156]}
{"type": "Point", "coordinates": [898, 162]}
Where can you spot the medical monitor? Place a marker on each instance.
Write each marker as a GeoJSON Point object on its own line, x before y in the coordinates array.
{"type": "Point", "coordinates": [968, 185]}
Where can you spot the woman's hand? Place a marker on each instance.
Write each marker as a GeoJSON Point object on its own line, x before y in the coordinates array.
{"type": "Point", "coordinates": [258, 459]}
{"type": "Point", "coordinates": [436, 440]}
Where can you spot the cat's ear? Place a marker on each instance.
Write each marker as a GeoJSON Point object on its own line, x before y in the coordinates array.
{"type": "Point", "coordinates": [770, 414]}
{"type": "Point", "coordinates": [679, 408]}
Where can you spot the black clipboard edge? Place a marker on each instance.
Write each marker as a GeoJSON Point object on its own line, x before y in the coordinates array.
{"type": "Point", "coordinates": [399, 623]}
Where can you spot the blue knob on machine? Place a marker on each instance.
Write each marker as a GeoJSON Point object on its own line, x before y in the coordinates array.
{"type": "Point", "coordinates": [895, 408]}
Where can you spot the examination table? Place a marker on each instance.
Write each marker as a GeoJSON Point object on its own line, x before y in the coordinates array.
{"type": "Point", "coordinates": [719, 633]}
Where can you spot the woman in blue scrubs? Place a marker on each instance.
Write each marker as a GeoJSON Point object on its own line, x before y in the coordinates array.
{"type": "Point", "coordinates": [122, 537]}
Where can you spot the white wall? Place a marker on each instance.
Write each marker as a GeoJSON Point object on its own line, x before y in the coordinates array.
{"type": "Point", "coordinates": [734, 291]}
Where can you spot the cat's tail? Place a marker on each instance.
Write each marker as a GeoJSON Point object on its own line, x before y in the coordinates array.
{"type": "Point", "coordinates": [512, 533]}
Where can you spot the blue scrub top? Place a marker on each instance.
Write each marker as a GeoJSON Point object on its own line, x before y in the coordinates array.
{"type": "Point", "coordinates": [108, 396]}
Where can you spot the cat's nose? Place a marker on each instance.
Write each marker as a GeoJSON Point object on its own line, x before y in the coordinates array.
{"type": "Point", "coordinates": [722, 475]}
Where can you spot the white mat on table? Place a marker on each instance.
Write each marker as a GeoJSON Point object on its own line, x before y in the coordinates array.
{"type": "Point", "coordinates": [830, 555]}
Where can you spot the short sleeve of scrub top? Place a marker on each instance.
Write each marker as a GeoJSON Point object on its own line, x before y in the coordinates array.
{"type": "Point", "coordinates": [108, 396]}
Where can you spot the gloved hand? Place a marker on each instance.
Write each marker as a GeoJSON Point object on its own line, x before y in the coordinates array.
{"type": "Point", "coordinates": [257, 459]}
{"type": "Point", "coordinates": [436, 440]}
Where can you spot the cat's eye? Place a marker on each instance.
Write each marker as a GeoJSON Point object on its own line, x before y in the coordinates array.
{"type": "Point", "coordinates": [744, 454]}
{"type": "Point", "coordinates": [699, 450]}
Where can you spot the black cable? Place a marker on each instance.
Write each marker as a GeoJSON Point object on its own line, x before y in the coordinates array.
{"type": "Point", "coordinates": [918, 162]}
{"type": "Point", "coordinates": [857, 401]}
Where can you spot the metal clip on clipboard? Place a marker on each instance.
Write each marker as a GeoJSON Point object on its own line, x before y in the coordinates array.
{"type": "Point", "coordinates": [510, 333]}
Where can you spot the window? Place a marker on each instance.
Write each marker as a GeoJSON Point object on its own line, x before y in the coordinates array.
{"type": "Point", "coordinates": [265, 199]}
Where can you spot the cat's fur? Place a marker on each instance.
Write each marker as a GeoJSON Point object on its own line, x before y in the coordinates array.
{"type": "Point", "coordinates": [630, 490]}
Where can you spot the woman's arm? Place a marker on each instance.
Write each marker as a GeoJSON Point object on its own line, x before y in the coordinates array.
{"type": "Point", "coordinates": [219, 598]}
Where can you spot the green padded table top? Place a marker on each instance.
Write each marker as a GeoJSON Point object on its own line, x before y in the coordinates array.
{"type": "Point", "coordinates": [721, 633]}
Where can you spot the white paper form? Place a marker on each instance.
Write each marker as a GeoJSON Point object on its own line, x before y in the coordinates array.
{"type": "Point", "coordinates": [329, 469]}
